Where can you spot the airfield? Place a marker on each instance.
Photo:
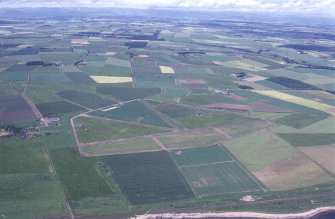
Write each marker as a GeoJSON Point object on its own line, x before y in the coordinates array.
{"type": "Point", "coordinates": [115, 116]}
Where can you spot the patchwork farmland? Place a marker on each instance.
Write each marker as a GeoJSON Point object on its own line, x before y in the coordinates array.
{"type": "Point", "coordinates": [213, 170]}
{"type": "Point", "coordinates": [110, 115]}
{"type": "Point", "coordinates": [155, 178]}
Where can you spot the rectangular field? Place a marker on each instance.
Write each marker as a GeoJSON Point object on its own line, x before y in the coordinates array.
{"type": "Point", "coordinates": [16, 73]}
{"type": "Point", "coordinates": [93, 130]}
{"type": "Point", "coordinates": [175, 110]}
{"type": "Point", "coordinates": [238, 128]}
{"type": "Point", "coordinates": [85, 99]}
{"type": "Point", "coordinates": [300, 120]}
{"type": "Point", "coordinates": [147, 177]}
{"type": "Point", "coordinates": [308, 139]}
{"type": "Point", "coordinates": [323, 126]}
{"type": "Point", "coordinates": [118, 62]}
{"type": "Point", "coordinates": [191, 139]}
{"type": "Point", "coordinates": [213, 170]}
{"type": "Point", "coordinates": [211, 118]}
{"type": "Point", "coordinates": [291, 83]}
{"type": "Point", "coordinates": [49, 77]}
{"type": "Point", "coordinates": [23, 156]}
{"type": "Point", "coordinates": [31, 196]}
{"type": "Point", "coordinates": [128, 93]}
{"type": "Point", "coordinates": [248, 148]}
{"type": "Point", "coordinates": [56, 108]}
{"type": "Point", "coordinates": [134, 111]}
{"type": "Point", "coordinates": [79, 78]}
{"type": "Point", "coordinates": [298, 100]}
{"type": "Point", "coordinates": [78, 176]}
{"type": "Point", "coordinates": [145, 67]}
{"type": "Point", "coordinates": [207, 98]}
{"type": "Point", "coordinates": [162, 81]}
{"type": "Point", "coordinates": [58, 137]}
{"type": "Point", "coordinates": [124, 146]}
{"type": "Point", "coordinates": [323, 155]}
{"type": "Point", "coordinates": [200, 156]}
{"type": "Point", "coordinates": [14, 108]}
{"type": "Point", "coordinates": [294, 172]}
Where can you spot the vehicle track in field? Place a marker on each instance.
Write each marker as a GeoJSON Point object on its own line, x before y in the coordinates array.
{"type": "Point", "coordinates": [34, 108]}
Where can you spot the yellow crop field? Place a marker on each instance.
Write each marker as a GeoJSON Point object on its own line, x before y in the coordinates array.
{"type": "Point", "coordinates": [297, 100]}
{"type": "Point", "coordinates": [166, 70]}
{"type": "Point", "coordinates": [111, 79]}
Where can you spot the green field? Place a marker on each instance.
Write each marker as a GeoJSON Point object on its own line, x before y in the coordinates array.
{"type": "Point", "coordinates": [63, 57]}
{"type": "Point", "coordinates": [128, 93]}
{"type": "Point", "coordinates": [175, 92]}
{"type": "Point", "coordinates": [79, 77]}
{"type": "Point", "coordinates": [127, 146]}
{"type": "Point", "coordinates": [219, 178]}
{"type": "Point", "coordinates": [145, 67]}
{"type": "Point", "coordinates": [58, 138]}
{"type": "Point", "coordinates": [248, 148]}
{"type": "Point", "coordinates": [46, 70]}
{"type": "Point", "coordinates": [70, 68]}
{"type": "Point", "coordinates": [56, 108]}
{"type": "Point", "coordinates": [199, 156]}
{"type": "Point", "coordinates": [16, 72]}
{"type": "Point", "coordinates": [147, 177]}
{"type": "Point", "coordinates": [49, 77]}
{"type": "Point", "coordinates": [210, 118]}
{"type": "Point", "coordinates": [240, 128]}
{"type": "Point", "coordinates": [135, 112]}
{"type": "Point", "coordinates": [31, 196]}
{"type": "Point", "coordinates": [10, 89]}
{"type": "Point", "coordinates": [191, 139]}
{"type": "Point", "coordinates": [23, 156]}
{"type": "Point", "coordinates": [46, 93]}
{"type": "Point", "coordinates": [92, 130]}
{"type": "Point", "coordinates": [118, 62]}
{"type": "Point", "coordinates": [212, 171]}
{"type": "Point", "coordinates": [13, 76]}
{"type": "Point", "coordinates": [147, 105]}
{"type": "Point", "coordinates": [78, 176]}
{"type": "Point", "coordinates": [175, 110]}
{"type": "Point", "coordinates": [308, 139]}
{"type": "Point", "coordinates": [207, 98]}
{"type": "Point", "coordinates": [107, 70]}
{"type": "Point", "coordinates": [85, 99]}
{"type": "Point", "coordinates": [300, 120]}
{"type": "Point", "coordinates": [155, 82]}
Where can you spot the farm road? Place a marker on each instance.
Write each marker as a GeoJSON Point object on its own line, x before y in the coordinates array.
{"type": "Point", "coordinates": [209, 207]}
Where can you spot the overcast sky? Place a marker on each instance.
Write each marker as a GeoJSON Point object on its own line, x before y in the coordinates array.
{"type": "Point", "coordinates": [296, 6]}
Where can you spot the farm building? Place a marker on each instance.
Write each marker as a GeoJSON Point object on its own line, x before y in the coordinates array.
{"type": "Point", "coordinates": [52, 120]}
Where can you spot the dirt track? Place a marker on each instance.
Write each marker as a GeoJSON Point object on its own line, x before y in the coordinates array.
{"type": "Point", "coordinates": [217, 207]}
{"type": "Point", "coordinates": [255, 215]}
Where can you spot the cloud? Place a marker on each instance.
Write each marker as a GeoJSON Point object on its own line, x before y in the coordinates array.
{"type": "Point", "coordinates": [297, 6]}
